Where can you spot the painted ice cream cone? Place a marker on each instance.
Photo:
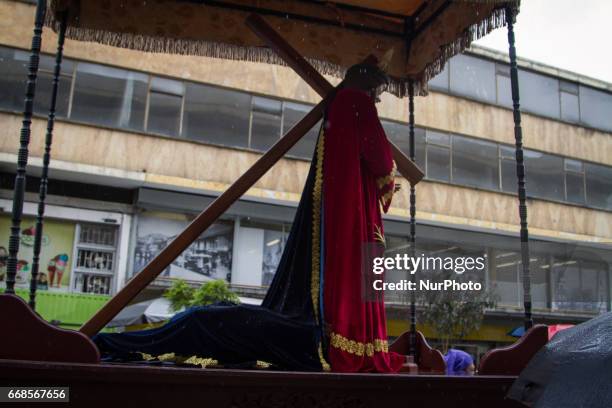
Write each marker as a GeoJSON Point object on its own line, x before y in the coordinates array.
{"type": "Point", "coordinates": [60, 267]}
{"type": "Point", "coordinates": [51, 270]}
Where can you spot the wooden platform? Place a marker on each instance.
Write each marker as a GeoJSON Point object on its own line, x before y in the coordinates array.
{"type": "Point", "coordinates": [108, 385]}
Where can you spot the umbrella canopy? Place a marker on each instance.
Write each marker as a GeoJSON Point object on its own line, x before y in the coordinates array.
{"type": "Point", "coordinates": [414, 38]}
{"type": "Point", "coordinates": [155, 311]}
{"type": "Point", "coordinates": [149, 311]}
{"type": "Point", "coordinates": [572, 370]}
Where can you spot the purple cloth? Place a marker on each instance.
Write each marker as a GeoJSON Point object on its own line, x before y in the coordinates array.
{"type": "Point", "coordinates": [457, 362]}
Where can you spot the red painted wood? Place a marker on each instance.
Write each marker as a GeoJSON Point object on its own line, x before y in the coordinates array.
{"type": "Point", "coordinates": [429, 360]}
{"type": "Point", "coordinates": [512, 360]}
{"type": "Point", "coordinates": [25, 336]}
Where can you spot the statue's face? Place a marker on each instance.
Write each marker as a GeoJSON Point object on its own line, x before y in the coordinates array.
{"type": "Point", "coordinates": [376, 92]}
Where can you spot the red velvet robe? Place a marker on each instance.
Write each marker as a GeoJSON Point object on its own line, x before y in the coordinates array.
{"type": "Point", "coordinates": [357, 181]}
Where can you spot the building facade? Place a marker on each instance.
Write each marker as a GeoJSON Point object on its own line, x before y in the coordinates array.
{"type": "Point", "coordinates": [143, 142]}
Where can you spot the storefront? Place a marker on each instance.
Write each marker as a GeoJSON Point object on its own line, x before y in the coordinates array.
{"type": "Point", "coordinates": [82, 259]}
{"type": "Point", "coordinates": [244, 247]}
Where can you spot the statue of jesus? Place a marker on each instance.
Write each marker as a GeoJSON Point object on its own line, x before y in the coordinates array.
{"type": "Point", "coordinates": [316, 314]}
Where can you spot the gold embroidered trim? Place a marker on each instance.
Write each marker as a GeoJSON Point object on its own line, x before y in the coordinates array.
{"type": "Point", "coordinates": [193, 360]}
{"type": "Point", "coordinates": [324, 363]}
{"type": "Point", "coordinates": [316, 227]}
{"type": "Point", "coordinates": [383, 181]}
{"type": "Point", "coordinates": [379, 236]}
{"type": "Point", "coordinates": [358, 348]}
{"type": "Point", "coordinates": [316, 239]}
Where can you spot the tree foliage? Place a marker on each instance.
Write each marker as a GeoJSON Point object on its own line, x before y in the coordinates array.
{"type": "Point", "coordinates": [213, 292]}
{"type": "Point", "coordinates": [181, 294]}
{"type": "Point", "coordinates": [454, 314]}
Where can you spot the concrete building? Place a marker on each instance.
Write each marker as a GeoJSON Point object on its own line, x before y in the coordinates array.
{"type": "Point", "coordinates": [143, 142]}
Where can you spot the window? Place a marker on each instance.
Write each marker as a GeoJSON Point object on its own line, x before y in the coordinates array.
{"type": "Point", "coordinates": [598, 185]}
{"type": "Point", "coordinates": [94, 266]}
{"type": "Point", "coordinates": [165, 105]}
{"type": "Point", "coordinates": [595, 108]}
{"type": "Point", "coordinates": [508, 169]}
{"type": "Point", "coordinates": [475, 163]}
{"type": "Point", "coordinates": [544, 175]}
{"type": "Point", "coordinates": [265, 123]}
{"type": "Point", "coordinates": [292, 114]}
{"type": "Point", "coordinates": [109, 96]}
{"type": "Point", "coordinates": [579, 284]}
{"type": "Point", "coordinates": [503, 83]}
{"type": "Point", "coordinates": [399, 134]}
{"type": "Point", "coordinates": [504, 275]}
{"type": "Point", "coordinates": [440, 81]}
{"type": "Point", "coordinates": [473, 77]}
{"type": "Point", "coordinates": [570, 110]}
{"type": "Point", "coordinates": [12, 80]}
{"type": "Point", "coordinates": [540, 279]}
{"type": "Point", "coordinates": [259, 247]}
{"type": "Point", "coordinates": [574, 181]}
{"type": "Point", "coordinates": [438, 155]}
{"type": "Point", "coordinates": [216, 115]}
{"type": "Point", "coordinates": [273, 246]}
{"type": "Point", "coordinates": [539, 93]}
{"type": "Point", "coordinates": [44, 86]}
{"type": "Point", "coordinates": [396, 245]}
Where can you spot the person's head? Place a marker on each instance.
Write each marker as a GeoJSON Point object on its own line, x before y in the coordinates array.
{"type": "Point", "coordinates": [367, 77]}
{"type": "Point", "coordinates": [458, 362]}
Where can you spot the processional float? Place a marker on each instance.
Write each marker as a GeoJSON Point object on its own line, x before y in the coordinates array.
{"type": "Point", "coordinates": [326, 37]}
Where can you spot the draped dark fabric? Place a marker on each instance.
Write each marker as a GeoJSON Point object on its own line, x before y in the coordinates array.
{"type": "Point", "coordinates": [282, 331]}
{"type": "Point", "coordinates": [289, 292]}
{"type": "Point", "coordinates": [231, 334]}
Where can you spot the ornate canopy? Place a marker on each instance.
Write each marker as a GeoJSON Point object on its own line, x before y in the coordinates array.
{"type": "Point", "coordinates": [414, 37]}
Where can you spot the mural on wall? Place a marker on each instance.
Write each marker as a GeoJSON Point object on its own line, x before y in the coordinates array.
{"type": "Point", "coordinates": [208, 257]}
{"type": "Point", "coordinates": [56, 249]}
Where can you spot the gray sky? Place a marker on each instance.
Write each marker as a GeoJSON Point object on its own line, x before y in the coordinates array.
{"type": "Point", "coordinates": [569, 34]}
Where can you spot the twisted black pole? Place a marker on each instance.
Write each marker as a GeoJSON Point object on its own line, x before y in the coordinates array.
{"type": "Point", "coordinates": [44, 178]}
{"type": "Point", "coordinates": [24, 141]}
{"type": "Point", "coordinates": [413, 346]}
{"type": "Point", "coordinates": [520, 167]}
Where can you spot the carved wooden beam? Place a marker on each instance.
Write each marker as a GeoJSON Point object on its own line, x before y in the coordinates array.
{"type": "Point", "coordinates": [203, 221]}
{"type": "Point", "coordinates": [272, 39]}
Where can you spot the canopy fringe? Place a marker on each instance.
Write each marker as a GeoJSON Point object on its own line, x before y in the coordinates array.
{"type": "Point", "coordinates": [397, 87]}
{"type": "Point", "coordinates": [497, 19]}
{"type": "Point", "coordinates": [186, 47]}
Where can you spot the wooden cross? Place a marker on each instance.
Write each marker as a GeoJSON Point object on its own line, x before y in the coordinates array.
{"type": "Point", "coordinates": [207, 217]}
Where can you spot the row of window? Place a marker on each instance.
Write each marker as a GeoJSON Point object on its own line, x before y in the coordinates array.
{"type": "Point", "coordinates": [563, 277]}
{"type": "Point", "coordinates": [479, 163]}
{"type": "Point", "coordinates": [489, 81]}
{"type": "Point", "coordinates": [247, 252]}
{"type": "Point", "coordinates": [119, 98]}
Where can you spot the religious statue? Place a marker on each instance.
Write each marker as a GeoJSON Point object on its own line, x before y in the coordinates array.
{"type": "Point", "coordinates": [316, 314]}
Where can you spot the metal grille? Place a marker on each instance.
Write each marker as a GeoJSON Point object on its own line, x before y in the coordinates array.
{"type": "Point", "coordinates": [94, 265]}
{"type": "Point", "coordinates": [99, 260]}
{"type": "Point", "coordinates": [105, 235]}
{"type": "Point", "coordinates": [89, 283]}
